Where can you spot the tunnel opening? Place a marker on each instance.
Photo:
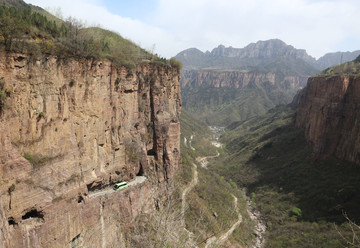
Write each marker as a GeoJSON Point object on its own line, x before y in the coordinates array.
{"type": "Point", "coordinates": [141, 171]}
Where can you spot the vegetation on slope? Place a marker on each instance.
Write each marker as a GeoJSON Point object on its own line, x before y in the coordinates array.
{"type": "Point", "coordinates": [302, 200]}
{"type": "Point", "coordinates": [25, 28]}
{"type": "Point", "coordinates": [211, 205]}
{"type": "Point", "coordinates": [222, 106]}
{"type": "Point", "coordinates": [348, 68]}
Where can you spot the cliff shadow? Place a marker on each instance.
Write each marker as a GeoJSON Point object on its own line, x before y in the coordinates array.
{"type": "Point", "coordinates": [322, 189]}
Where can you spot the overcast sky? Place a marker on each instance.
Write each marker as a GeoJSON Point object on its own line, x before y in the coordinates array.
{"type": "Point", "coordinates": [170, 26]}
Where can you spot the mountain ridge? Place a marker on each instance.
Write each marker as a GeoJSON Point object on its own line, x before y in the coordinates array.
{"type": "Point", "coordinates": [273, 48]}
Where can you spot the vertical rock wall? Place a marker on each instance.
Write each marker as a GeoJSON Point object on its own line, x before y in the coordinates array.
{"type": "Point", "coordinates": [328, 111]}
{"type": "Point", "coordinates": [83, 125]}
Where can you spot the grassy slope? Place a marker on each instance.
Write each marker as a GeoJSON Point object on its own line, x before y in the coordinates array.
{"type": "Point", "coordinates": [299, 198]}
{"type": "Point", "coordinates": [30, 29]}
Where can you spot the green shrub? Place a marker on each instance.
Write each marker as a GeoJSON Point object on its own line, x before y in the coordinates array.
{"type": "Point", "coordinates": [296, 212]}
{"type": "Point", "coordinates": [29, 157]}
{"type": "Point", "coordinates": [12, 187]}
{"type": "Point", "coordinates": [2, 100]}
{"type": "Point", "coordinates": [37, 160]}
{"type": "Point", "coordinates": [175, 63]}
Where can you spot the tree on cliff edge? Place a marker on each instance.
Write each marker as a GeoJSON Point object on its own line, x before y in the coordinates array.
{"type": "Point", "coordinates": [10, 28]}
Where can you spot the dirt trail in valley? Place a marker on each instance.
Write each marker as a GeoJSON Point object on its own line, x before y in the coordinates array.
{"type": "Point", "coordinates": [260, 227]}
{"type": "Point", "coordinates": [217, 242]}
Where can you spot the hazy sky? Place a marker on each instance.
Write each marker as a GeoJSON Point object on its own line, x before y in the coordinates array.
{"type": "Point", "coordinates": [319, 26]}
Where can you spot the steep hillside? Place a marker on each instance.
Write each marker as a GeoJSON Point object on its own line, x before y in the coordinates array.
{"type": "Point", "coordinates": [209, 211]}
{"type": "Point", "coordinates": [331, 59]}
{"type": "Point", "coordinates": [299, 198]}
{"type": "Point", "coordinates": [224, 105]}
{"type": "Point", "coordinates": [328, 112]}
{"type": "Point", "coordinates": [300, 163]}
{"type": "Point", "coordinates": [72, 125]}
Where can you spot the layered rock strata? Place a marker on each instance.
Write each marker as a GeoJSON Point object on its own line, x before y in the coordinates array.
{"type": "Point", "coordinates": [73, 127]}
{"type": "Point", "coordinates": [328, 111]}
{"type": "Point", "coordinates": [238, 79]}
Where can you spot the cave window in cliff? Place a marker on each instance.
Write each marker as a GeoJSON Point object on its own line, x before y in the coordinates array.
{"type": "Point", "coordinates": [80, 199]}
{"type": "Point", "coordinates": [33, 214]}
{"type": "Point", "coordinates": [12, 221]}
{"type": "Point", "coordinates": [151, 152]}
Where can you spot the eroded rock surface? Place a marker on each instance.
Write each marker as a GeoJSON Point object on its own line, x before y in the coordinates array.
{"type": "Point", "coordinates": [328, 111]}
{"type": "Point", "coordinates": [239, 79]}
{"type": "Point", "coordinates": [83, 125]}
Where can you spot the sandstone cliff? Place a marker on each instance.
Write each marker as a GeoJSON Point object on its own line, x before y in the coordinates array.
{"type": "Point", "coordinates": [83, 125]}
{"type": "Point", "coordinates": [239, 79]}
{"type": "Point", "coordinates": [328, 111]}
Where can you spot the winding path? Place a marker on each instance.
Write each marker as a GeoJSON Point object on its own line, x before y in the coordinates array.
{"type": "Point", "coordinates": [219, 241]}
{"type": "Point", "coordinates": [260, 227]}
{"type": "Point", "coordinates": [204, 160]}
{"type": "Point", "coordinates": [194, 181]}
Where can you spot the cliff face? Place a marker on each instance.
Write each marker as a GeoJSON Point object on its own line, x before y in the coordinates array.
{"type": "Point", "coordinates": [84, 126]}
{"type": "Point", "coordinates": [328, 111]}
{"type": "Point", "coordinates": [238, 79]}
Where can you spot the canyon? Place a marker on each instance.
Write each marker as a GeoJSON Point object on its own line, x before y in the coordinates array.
{"type": "Point", "coordinates": [71, 127]}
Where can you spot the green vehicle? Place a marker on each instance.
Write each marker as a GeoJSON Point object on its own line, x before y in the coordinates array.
{"type": "Point", "coordinates": [121, 185]}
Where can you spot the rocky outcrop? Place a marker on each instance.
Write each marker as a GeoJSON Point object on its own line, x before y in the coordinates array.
{"type": "Point", "coordinates": [239, 79]}
{"type": "Point", "coordinates": [82, 126]}
{"type": "Point", "coordinates": [328, 111]}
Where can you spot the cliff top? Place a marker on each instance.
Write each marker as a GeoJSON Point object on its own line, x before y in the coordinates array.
{"type": "Point", "coordinates": [29, 29]}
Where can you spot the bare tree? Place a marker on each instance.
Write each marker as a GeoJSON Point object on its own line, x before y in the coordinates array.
{"type": "Point", "coordinates": [355, 230]}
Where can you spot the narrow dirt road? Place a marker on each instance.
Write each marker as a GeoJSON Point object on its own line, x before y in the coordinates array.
{"type": "Point", "coordinates": [217, 242]}
{"type": "Point", "coordinates": [204, 160]}
{"type": "Point", "coordinates": [192, 184]}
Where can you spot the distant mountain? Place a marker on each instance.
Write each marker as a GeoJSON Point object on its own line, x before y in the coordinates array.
{"type": "Point", "coordinates": [331, 59]}
{"type": "Point", "coordinates": [265, 56]}
{"type": "Point", "coordinates": [259, 55]}
{"type": "Point", "coordinates": [231, 84]}
{"type": "Point", "coordinates": [273, 48]}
